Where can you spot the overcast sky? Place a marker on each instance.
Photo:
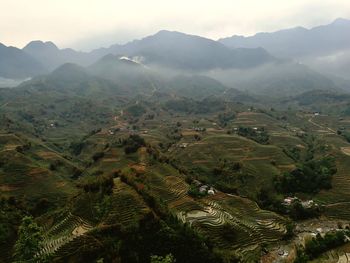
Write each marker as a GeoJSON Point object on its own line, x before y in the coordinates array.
{"type": "Point", "coordinates": [87, 24]}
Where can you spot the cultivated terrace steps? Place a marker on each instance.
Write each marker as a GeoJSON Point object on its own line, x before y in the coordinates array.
{"type": "Point", "coordinates": [64, 232]}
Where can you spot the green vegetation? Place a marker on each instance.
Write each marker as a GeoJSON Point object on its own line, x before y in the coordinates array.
{"type": "Point", "coordinates": [133, 143]}
{"type": "Point", "coordinates": [111, 170]}
{"type": "Point", "coordinates": [310, 177]}
{"type": "Point", "coordinates": [29, 241]}
{"type": "Point", "coordinates": [166, 259]}
{"type": "Point", "coordinates": [99, 183]}
{"type": "Point", "coordinates": [136, 110]}
{"type": "Point", "coordinates": [260, 135]}
{"type": "Point", "coordinates": [226, 117]}
{"type": "Point", "coordinates": [194, 191]}
{"type": "Point", "coordinates": [317, 245]}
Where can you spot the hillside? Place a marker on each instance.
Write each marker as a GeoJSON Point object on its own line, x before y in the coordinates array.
{"type": "Point", "coordinates": [275, 80]}
{"type": "Point", "coordinates": [187, 52]}
{"type": "Point", "coordinates": [298, 42]}
{"type": "Point", "coordinates": [139, 161]}
{"type": "Point", "coordinates": [16, 64]}
{"type": "Point", "coordinates": [324, 48]}
{"type": "Point", "coordinates": [49, 55]}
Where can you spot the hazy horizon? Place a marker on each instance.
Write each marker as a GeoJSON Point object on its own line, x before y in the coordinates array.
{"type": "Point", "coordinates": [107, 22]}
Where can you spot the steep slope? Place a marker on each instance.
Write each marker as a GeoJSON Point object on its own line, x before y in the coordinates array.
{"type": "Point", "coordinates": [299, 41]}
{"type": "Point", "coordinates": [27, 164]}
{"type": "Point", "coordinates": [196, 86]}
{"type": "Point", "coordinates": [16, 64]}
{"type": "Point", "coordinates": [126, 73]}
{"type": "Point", "coordinates": [62, 105]}
{"type": "Point", "coordinates": [275, 80]}
{"type": "Point", "coordinates": [187, 52]}
{"type": "Point", "coordinates": [323, 48]}
{"type": "Point", "coordinates": [52, 57]}
{"type": "Point", "coordinates": [71, 79]}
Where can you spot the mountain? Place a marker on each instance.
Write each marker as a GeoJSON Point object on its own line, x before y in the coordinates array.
{"type": "Point", "coordinates": [196, 86]}
{"type": "Point", "coordinates": [52, 57]}
{"type": "Point", "coordinates": [299, 41]}
{"type": "Point", "coordinates": [187, 52]}
{"type": "Point", "coordinates": [325, 101]}
{"type": "Point", "coordinates": [127, 73]}
{"type": "Point", "coordinates": [140, 79]}
{"type": "Point", "coordinates": [16, 64]}
{"type": "Point", "coordinates": [170, 49]}
{"type": "Point", "coordinates": [74, 80]}
{"type": "Point", "coordinates": [280, 79]}
{"type": "Point", "coordinates": [324, 48]}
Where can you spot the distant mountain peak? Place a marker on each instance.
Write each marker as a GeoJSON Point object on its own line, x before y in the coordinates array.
{"type": "Point", "coordinates": [164, 31]}
{"type": "Point", "coordinates": [341, 21]}
{"type": "Point", "coordinates": [39, 45]}
{"type": "Point", "coordinates": [299, 42]}
{"type": "Point", "coordinates": [174, 34]}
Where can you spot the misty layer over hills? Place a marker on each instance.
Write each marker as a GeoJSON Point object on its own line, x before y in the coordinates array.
{"type": "Point", "coordinates": [283, 63]}
{"type": "Point", "coordinates": [325, 48]}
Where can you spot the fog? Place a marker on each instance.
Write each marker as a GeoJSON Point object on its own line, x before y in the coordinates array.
{"type": "Point", "coordinates": [337, 64]}
{"type": "Point", "coordinates": [284, 78]}
{"type": "Point", "coordinates": [90, 24]}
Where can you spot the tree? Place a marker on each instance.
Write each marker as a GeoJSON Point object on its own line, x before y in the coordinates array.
{"type": "Point", "coordinates": [29, 241]}
{"type": "Point", "coordinates": [166, 259]}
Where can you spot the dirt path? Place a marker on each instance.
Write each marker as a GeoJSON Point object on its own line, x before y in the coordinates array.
{"type": "Point", "coordinates": [345, 150]}
{"type": "Point", "coordinates": [4, 105]}
{"type": "Point", "coordinates": [321, 126]}
{"type": "Point", "coordinates": [338, 203]}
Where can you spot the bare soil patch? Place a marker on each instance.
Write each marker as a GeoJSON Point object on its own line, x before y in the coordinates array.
{"type": "Point", "coordinates": [345, 150]}
{"type": "Point", "coordinates": [7, 188]}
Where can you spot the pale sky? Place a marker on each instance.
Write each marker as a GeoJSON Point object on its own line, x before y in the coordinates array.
{"type": "Point", "coordinates": [88, 24]}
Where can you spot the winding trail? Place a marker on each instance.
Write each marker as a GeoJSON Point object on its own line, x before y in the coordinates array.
{"type": "Point", "coordinates": [321, 126]}
{"type": "Point", "coordinates": [4, 105]}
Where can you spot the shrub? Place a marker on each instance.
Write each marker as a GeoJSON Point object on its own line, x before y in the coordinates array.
{"type": "Point", "coordinates": [133, 143]}
{"type": "Point", "coordinates": [97, 156]}
{"type": "Point", "coordinates": [309, 177]}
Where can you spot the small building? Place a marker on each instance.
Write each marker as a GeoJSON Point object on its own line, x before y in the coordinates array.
{"type": "Point", "coordinates": [289, 200]}
{"type": "Point", "coordinates": [196, 182]}
{"type": "Point", "coordinates": [307, 204]}
{"type": "Point", "coordinates": [198, 129]}
{"type": "Point", "coordinates": [183, 145]}
{"type": "Point", "coordinates": [203, 189]}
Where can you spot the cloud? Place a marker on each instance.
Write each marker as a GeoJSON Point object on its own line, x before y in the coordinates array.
{"type": "Point", "coordinates": [92, 23]}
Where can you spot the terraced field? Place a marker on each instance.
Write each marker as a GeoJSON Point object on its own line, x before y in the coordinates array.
{"type": "Point", "coordinates": [69, 232]}
{"type": "Point", "coordinates": [260, 163]}
{"type": "Point", "coordinates": [64, 232]}
{"type": "Point", "coordinates": [221, 215]}
{"type": "Point", "coordinates": [337, 198]}
{"type": "Point", "coordinates": [339, 255]}
{"type": "Point", "coordinates": [127, 207]}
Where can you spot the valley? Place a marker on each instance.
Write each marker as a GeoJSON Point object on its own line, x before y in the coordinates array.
{"type": "Point", "coordinates": [177, 151]}
{"type": "Point", "coordinates": [175, 147]}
